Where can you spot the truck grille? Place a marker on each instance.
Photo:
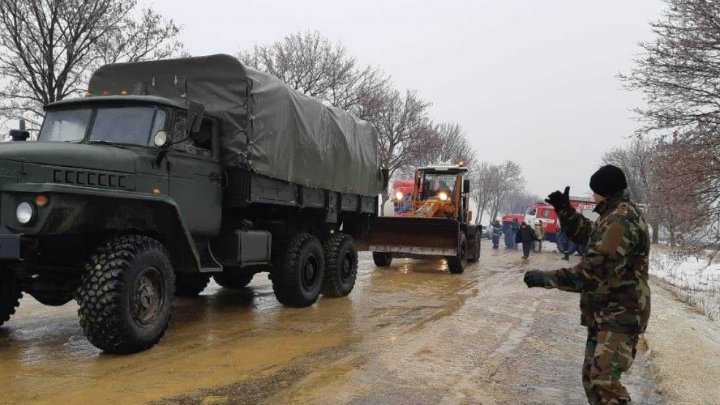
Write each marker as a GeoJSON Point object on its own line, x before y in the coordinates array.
{"type": "Point", "coordinates": [91, 178]}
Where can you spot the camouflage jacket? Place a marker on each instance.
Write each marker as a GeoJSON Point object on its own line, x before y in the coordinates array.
{"type": "Point", "coordinates": [613, 278]}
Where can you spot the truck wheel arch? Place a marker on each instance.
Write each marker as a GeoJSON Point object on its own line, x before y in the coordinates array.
{"type": "Point", "coordinates": [93, 211]}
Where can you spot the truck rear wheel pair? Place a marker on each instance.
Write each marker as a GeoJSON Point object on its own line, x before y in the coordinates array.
{"type": "Point", "coordinates": [10, 295]}
{"type": "Point", "coordinates": [307, 268]}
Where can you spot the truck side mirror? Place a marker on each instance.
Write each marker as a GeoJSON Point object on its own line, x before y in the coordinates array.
{"type": "Point", "coordinates": [195, 115]}
{"type": "Point", "coordinates": [466, 186]}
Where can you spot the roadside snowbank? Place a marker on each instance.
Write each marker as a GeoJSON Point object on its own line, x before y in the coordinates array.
{"type": "Point", "coordinates": [683, 349]}
{"type": "Point", "coordinates": [697, 280]}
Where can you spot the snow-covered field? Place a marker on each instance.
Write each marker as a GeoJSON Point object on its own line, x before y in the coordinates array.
{"type": "Point", "coordinates": [696, 278]}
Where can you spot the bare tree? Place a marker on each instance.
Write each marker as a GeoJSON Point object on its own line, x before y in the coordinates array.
{"type": "Point", "coordinates": [679, 74]}
{"type": "Point", "coordinates": [440, 143]}
{"type": "Point", "coordinates": [636, 160]}
{"type": "Point", "coordinates": [510, 179]}
{"type": "Point", "coordinates": [518, 201]}
{"type": "Point", "coordinates": [400, 119]}
{"type": "Point", "coordinates": [48, 48]}
{"type": "Point", "coordinates": [312, 64]}
{"type": "Point", "coordinates": [485, 185]}
{"type": "Point", "coordinates": [445, 143]}
{"type": "Point", "coordinates": [494, 184]}
{"type": "Point", "coordinates": [685, 203]}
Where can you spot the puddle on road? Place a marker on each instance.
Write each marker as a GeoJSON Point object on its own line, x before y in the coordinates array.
{"type": "Point", "coordinates": [411, 330]}
{"type": "Point", "coordinates": [216, 339]}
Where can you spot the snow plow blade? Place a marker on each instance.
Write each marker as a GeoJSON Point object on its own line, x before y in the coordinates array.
{"type": "Point", "coordinates": [414, 236]}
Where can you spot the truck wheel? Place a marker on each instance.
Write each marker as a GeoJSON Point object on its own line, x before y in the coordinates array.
{"type": "Point", "coordinates": [10, 295]}
{"type": "Point", "coordinates": [382, 259]}
{"type": "Point", "coordinates": [234, 279]}
{"type": "Point", "coordinates": [299, 274]}
{"type": "Point", "coordinates": [341, 264]}
{"type": "Point", "coordinates": [126, 294]}
{"type": "Point", "coordinates": [190, 284]}
{"type": "Point", "coordinates": [456, 264]}
{"type": "Point", "coordinates": [475, 250]}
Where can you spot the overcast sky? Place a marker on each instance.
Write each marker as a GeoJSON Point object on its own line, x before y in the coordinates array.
{"type": "Point", "coordinates": [529, 80]}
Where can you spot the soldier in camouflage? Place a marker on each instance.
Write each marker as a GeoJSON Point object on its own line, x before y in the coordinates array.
{"type": "Point", "coordinates": [612, 281]}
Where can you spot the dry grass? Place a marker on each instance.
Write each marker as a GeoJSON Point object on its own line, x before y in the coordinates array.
{"type": "Point", "coordinates": [684, 295]}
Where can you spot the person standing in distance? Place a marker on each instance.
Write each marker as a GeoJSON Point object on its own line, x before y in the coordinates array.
{"type": "Point", "coordinates": [540, 233]}
{"type": "Point", "coordinates": [496, 232]}
{"type": "Point", "coordinates": [612, 281]}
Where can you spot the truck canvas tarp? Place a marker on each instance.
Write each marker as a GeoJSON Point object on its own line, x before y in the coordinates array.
{"type": "Point", "coordinates": [267, 127]}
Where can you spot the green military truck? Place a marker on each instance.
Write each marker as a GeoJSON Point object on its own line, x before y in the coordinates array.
{"type": "Point", "coordinates": [171, 172]}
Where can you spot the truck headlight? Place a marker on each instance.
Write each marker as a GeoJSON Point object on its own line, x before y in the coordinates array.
{"type": "Point", "coordinates": [25, 212]}
{"type": "Point", "coordinates": [398, 196]}
{"type": "Point", "coordinates": [443, 196]}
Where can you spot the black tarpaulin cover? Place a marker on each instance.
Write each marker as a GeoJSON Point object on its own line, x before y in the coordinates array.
{"type": "Point", "coordinates": [266, 126]}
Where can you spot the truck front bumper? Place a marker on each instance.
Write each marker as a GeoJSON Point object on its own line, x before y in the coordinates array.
{"type": "Point", "coordinates": [9, 246]}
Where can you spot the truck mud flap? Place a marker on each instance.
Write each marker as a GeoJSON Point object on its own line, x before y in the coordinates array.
{"type": "Point", "coordinates": [414, 236]}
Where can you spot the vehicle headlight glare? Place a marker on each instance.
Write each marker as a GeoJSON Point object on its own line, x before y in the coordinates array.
{"type": "Point", "coordinates": [443, 196]}
{"type": "Point", "coordinates": [24, 212]}
{"type": "Point", "coordinates": [399, 195]}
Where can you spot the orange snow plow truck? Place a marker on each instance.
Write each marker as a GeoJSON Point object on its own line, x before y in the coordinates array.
{"type": "Point", "coordinates": [439, 223]}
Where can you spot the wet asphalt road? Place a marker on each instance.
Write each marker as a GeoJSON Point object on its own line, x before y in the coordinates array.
{"type": "Point", "coordinates": [408, 334]}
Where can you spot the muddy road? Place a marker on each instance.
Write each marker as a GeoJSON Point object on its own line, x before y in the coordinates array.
{"type": "Point", "coordinates": [408, 334]}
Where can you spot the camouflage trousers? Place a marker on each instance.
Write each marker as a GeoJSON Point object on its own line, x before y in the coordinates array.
{"type": "Point", "coordinates": [607, 356]}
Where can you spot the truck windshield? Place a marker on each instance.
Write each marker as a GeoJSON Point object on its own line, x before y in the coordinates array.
{"type": "Point", "coordinates": [123, 125]}
{"type": "Point", "coordinates": [128, 125]}
{"type": "Point", "coordinates": [65, 125]}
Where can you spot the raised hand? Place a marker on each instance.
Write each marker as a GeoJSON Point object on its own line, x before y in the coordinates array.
{"type": "Point", "coordinates": [559, 200]}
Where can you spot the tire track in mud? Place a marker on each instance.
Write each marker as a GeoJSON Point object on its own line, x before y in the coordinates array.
{"type": "Point", "coordinates": [419, 336]}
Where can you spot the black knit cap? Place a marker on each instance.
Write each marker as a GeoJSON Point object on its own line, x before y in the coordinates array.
{"type": "Point", "coordinates": [608, 180]}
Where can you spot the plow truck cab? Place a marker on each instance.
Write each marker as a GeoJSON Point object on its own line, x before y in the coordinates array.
{"type": "Point", "coordinates": [438, 223]}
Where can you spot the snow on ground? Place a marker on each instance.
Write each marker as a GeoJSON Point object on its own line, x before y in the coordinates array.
{"type": "Point", "coordinates": [695, 278]}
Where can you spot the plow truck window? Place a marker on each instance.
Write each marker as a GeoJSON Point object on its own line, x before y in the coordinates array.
{"type": "Point", "coordinates": [65, 125]}
{"type": "Point", "coordinates": [438, 186]}
{"type": "Point", "coordinates": [128, 125]}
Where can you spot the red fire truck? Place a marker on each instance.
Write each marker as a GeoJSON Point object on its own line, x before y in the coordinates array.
{"type": "Point", "coordinates": [545, 213]}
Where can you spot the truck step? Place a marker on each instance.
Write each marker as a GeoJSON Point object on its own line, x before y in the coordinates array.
{"type": "Point", "coordinates": [208, 262]}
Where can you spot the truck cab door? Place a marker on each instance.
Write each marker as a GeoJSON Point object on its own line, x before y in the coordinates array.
{"type": "Point", "coordinates": [195, 176]}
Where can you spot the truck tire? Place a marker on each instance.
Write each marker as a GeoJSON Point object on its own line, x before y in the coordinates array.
{"type": "Point", "coordinates": [341, 265]}
{"type": "Point", "coordinates": [190, 284]}
{"type": "Point", "coordinates": [126, 294]}
{"type": "Point", "coordinates": [235, 279]}
{"type": "Point", "coordinates": [475, 250]}
{"type": "Point", "coordinates": [298, 276]}
{"type": "Point", "coordinates": [456, 264]}
{"type": "Point", "coordinates": [382, 259]}
{"type": "Point", "coordinates": [10, 295]}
